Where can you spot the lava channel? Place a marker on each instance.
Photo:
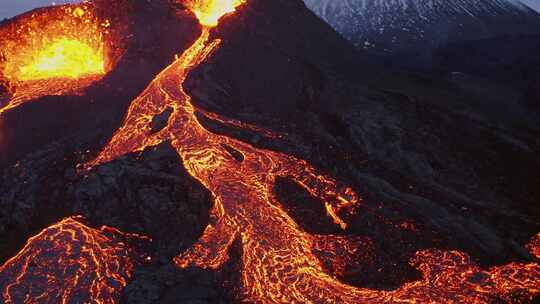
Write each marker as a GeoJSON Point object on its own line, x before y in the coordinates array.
{"type": "Point", "coordinates": [278, 265]}
{"type": "Point", "coordinates": [52, 51]}
{"type": "Point", "coordinates": [69, 262]}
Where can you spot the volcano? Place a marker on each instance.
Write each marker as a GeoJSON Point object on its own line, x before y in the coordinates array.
{"type": "Point", "coordinates": [224, 157]}
{"type": "Point", "coordinates": [392, 26]}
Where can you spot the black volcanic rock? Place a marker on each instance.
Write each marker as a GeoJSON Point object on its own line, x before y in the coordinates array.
{"type": "Point", "coordinates": [511, 59]}
{"type": "Point", "coordinates": [149, 194]}
{"type": "Point", "coordinates": [433, 165]}
{"type": "Point", "coordinates": [532, 92]}
{"type": "Point", "coordinates": [503, 71]}
{"type": "Point", "coordinates": [281, 55]}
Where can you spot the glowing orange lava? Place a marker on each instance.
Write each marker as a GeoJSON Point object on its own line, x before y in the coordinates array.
{"type": "Point", "coordinates": [69, 262]}
{"type": "Point", "coordinates": [64, 58]}
{"type": "Point", "coordinates": [534, 246]}
{"type": "Point", "coordinates": [209, 11]}
{"type": "Point", "coordinates": [52, 52]}
{"type": "Point", "coordinates": [278, 263]}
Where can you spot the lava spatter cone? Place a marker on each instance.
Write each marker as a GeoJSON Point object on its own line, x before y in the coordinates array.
{"type": "Point", "coordinates": [55, 51]}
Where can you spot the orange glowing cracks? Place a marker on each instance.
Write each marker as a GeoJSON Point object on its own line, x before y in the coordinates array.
{"type": "Point", "coordinates": [69, 262]}
{"type": "Point", "coordinates": [209, 11]}
{"type": "Point", "coordinates": [278, 260]}
{"type": "Point", "coordinates": [64, 58]}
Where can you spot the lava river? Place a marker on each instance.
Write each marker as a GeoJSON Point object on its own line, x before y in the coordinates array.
{"type": "Point", "coordinates": [277, 262]}
{"type": "Point", "coordinates": [278, 265]}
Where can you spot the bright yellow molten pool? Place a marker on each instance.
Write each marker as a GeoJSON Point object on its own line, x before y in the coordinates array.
{"type": "Point", "coordinates": [64, 58]}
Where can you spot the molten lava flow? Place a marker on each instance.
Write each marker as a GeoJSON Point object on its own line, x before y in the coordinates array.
{"type": "Point", "coordinates": [64, 58]}
{"type": "Point", "coordinates": [69, 262]}
{"type": "Point", "coordinates": [52, 52]}
{"type": "Point", "coordinates": [209, 11]}
{"type": "Point", "coordinates": [278, 262]}
{"type": "Point", "coordinates": [534, 246]}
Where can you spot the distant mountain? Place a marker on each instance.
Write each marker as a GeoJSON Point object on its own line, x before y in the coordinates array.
{"type": "Point", "coordinates": [386, 26]}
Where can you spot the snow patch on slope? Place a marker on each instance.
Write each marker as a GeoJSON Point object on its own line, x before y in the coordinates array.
{"type": "Point", "coordinates": [390, 25]}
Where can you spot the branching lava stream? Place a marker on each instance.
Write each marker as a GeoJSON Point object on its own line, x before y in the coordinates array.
{"type": "Point", "coordinates": [277, 261]}
{"type": "Point", "coordinates": [72, 263]}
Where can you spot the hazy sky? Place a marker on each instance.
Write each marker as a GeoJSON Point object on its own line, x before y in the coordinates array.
{"type": "Point", "coordinates": [10, 8]}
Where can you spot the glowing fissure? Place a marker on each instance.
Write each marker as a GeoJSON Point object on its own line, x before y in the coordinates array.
{"type": "Point", "coordinates": [278, 263]}
{"type": "Point", "coordinates": [69, 262]}
{"type": "Point", "coordinates": [53, 52]}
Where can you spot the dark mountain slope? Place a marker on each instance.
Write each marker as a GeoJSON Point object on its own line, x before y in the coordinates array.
{"type": "Point", "coordinates": [386, 26]}
{"type": "Point", "coordinates": [498, 68]}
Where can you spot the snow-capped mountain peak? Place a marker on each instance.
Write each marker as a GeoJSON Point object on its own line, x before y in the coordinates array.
{"type": "Point", "coordinates": [395, 25]}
